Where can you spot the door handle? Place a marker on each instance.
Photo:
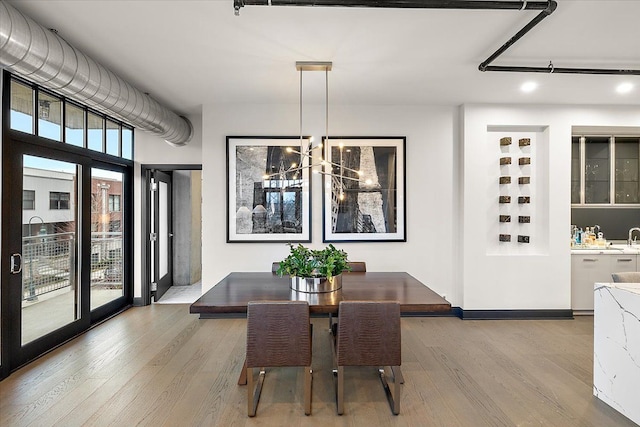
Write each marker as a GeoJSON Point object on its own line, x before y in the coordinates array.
{"type": "Point", "coordinates": [15, 264]}
{"type": "Point", "coordinates": [624, 260]}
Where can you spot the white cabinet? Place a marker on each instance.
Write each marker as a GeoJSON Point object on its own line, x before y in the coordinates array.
{"type": "Point", "coordinates": [621, 263]}
{"type": "Point", "coordinates": [587, 269]}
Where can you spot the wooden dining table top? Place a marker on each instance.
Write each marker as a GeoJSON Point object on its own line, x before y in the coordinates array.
{"type": "Point", "coordinates": [232, 294]}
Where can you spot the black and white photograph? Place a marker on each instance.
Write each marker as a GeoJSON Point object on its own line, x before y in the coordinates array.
{"type": "Point", "coordinates": [364, 189]}
{"type": "Point", "coordinates": [268, 190]}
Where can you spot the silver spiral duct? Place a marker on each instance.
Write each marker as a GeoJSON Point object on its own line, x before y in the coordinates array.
{"type": "Point", "coordinates": [40, 55]}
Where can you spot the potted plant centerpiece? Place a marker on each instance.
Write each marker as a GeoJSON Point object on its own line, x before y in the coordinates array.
{"type": "Point", "coordinates": [314, 270]}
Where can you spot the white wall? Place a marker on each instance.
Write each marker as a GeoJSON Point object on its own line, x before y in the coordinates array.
{"type": "Point", "coordinates": [431, 137]}
{"type": "Point", "coordinates": [537, 276]}
{"type": "Point", "coordinates": [153, 150]}
{"type": "Point", "coordinates": [450, 173]}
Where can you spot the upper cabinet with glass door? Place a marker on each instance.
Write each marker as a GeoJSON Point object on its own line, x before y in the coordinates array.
{"type": "Point", "coordinates": [604, 170]}
{"type": "Point", "coordinates": [627, 156]}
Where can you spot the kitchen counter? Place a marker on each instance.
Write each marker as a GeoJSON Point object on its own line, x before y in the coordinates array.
{"type": "Point", "coordinates": [616, 346]}
{"type": "Point", "coordinates": [612, 250]}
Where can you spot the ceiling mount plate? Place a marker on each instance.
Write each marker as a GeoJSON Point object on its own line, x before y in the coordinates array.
{"type": "Point", "coordinates": [314, 65]}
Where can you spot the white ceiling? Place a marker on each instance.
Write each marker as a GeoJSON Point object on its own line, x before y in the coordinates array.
{"type": "Point", "coordinates": [190, 53]}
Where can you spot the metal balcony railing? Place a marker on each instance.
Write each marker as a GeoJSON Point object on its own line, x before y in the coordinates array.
{"type": "Point", "coordinates": [50, 262]}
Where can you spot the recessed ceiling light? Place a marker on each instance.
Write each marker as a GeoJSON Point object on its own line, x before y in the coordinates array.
{"type": "Point", "coordinates": [529, 87]}
{"type": "Point", "coordinates": [624, 87]}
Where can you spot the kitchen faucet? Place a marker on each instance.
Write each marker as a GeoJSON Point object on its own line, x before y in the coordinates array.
{"type": "Point", "coordinates": [630, 242]}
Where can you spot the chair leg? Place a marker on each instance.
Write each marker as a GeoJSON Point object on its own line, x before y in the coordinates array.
{"type": "Point", "coordinates": [253, 396]}
{"type": "Point", "coordinates": [398, 374]}
{"type": "Point", "coordinates": [393, 393]}
{"type": "Point", "coordinates": [242, 378]}
{"type": "Point", "coordinates": [340, 390]}
{"type": "Point", "coordinates": [308, 380]}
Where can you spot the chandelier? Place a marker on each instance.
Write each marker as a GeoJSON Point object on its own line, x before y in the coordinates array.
{"type": "Point", "coordinates": [338, 172]}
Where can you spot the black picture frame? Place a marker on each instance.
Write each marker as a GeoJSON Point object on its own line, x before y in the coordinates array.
{"type": "Point", "coordinates": [372, 207]}
{"type": "Point", "coordinates": [268, 190]}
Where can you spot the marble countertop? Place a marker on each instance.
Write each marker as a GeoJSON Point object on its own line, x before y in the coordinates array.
{"type": "Point", "coordinates": [609, 250]}
{"type": "Point", "coordinates": [616, 346]}
{"type": "Point", "coordinates": [629, 287]}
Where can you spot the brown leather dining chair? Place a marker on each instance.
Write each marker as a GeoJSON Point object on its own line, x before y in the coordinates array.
{"type": "Point", "coordinates": [358, 266]}
{"type": "Point", "coordinates": [278, 334]}
{"type": "Point", "coordinates": [626, 277]}
{"type": "Point", "coordinates": [368, 334]}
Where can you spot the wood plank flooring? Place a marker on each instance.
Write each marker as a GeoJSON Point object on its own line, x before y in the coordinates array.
{"type": "Point", "coordinates": [161, 366]}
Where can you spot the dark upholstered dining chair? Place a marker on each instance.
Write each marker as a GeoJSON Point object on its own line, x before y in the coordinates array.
{"type": "Point", "coordinates": [275, 266]}
{"type": "Point", "coordinates": [278, 334]}
{"type": "Point", "coordinates": [358, 266]}
{"type": "Point", "coordinates": [626, 277]}
{"type": "Point", "coordinates": [368, 334]}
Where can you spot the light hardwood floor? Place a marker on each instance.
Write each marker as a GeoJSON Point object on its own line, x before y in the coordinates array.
{"type": "Point", "coordinates": [160, 366]}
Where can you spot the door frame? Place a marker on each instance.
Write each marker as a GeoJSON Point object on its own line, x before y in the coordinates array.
{"type": "Point", "coordinates": [15, 146]}
{"type": "Point", "coordinates": [146, 173]}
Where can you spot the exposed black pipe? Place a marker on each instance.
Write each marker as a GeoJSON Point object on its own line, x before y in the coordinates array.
{"type": "Point", "coordinates": [551, 6]}
{"type": "Point", "coordinates": [554, 70]}
{"type": "Point", "coordinates": [547, 7]}
{"type": "Point", "coordinates": [403, 4]}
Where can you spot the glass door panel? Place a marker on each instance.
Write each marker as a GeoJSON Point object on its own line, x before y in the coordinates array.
{"type": "Point", "coordinates": [627, 170]}
{"type": "Point", "coordinates": [162, 231]}
{"type": "Point", "coordinates": [50, 295]}
{"type": "Point", "coordinates": [597, 171]}
{"type": "Point", "coordinates": [107, 237]}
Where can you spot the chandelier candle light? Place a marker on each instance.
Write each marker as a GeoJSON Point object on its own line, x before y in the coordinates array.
{"type": "Point", "coordinates": [324, 167]}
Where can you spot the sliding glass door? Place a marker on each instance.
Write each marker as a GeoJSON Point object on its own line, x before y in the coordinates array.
{"type": "Point", "coordinates": [49, 299]}
{"type": "Point", "coordinates": [107, 237]}
{"type": "Point", "coordinates": [67, 220]}
{"type": "Point", "coordinates": [66, 243]}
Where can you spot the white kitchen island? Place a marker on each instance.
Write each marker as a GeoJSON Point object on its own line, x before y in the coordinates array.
{"type": "Point", "coordinates": [616, 347]}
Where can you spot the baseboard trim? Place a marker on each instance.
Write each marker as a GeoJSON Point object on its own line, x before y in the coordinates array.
{"type": "Point", "coordinates": [137, 302]}
{"type": "Point", "coordinates": [515, 314]}
{"type": "Point", "coordinates": [454, 312]}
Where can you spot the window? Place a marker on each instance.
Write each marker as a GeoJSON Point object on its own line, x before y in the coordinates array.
{"type": "Point", "coordinates": [22, 107]}
{"type": "Point", "coordinates": [95, 132]}
{"type": "Point", "coordinates": [74, 125]}
{"type": "Point", "coordinates": [28, 200]}
{"type": "Point", "coordinates": [114, 203]}
{"type": "Point", "coordinates": [113, 138]}
{"type": "Point", "coordinates": [115, 226]}
{"type": "Point", "coordinates": [605, 170]}
{"type": "Point", "coordinates": [127, 143]}
{"type": "Point", "coordinates": [59, 201]}
{"type": "Point", "coordinates": [49, 115]}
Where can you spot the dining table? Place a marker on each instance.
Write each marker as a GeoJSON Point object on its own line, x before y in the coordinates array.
{"type": "Point", "coordinates": [230, 296]}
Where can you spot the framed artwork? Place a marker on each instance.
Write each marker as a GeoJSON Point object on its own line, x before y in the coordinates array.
{"type": "Point", "coordinates": [364, 194]}
{"type": "Point", "coordinates": [268, 190]}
